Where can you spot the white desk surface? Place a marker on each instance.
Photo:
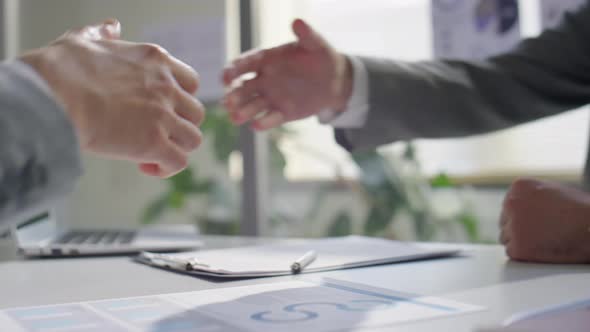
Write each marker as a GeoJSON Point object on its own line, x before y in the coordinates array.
{"type": "Point", "coordinates": [482, 276]}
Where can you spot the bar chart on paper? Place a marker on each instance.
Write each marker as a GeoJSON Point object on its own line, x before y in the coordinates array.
{"type": "Point", "coordinates": [314, 305]}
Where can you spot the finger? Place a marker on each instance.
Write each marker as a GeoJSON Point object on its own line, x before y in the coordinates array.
{"type": "Point", "coordinates": [270, 120]}
{"type": "Point", "coordinates": [150, 169]}
{"type": "Point", "coordinates": [249, 111]}
{"type": "Point", "coordinates": [190, 108]}
{"type": "Point", "coordinates": [172, 160]}
{"type": "Point", "coordinates": [307, 38]}
{"type": "Point", "coordinates": [186, 135]}
{"type": "Point", "coordinates": [241, 95]}
{"type": "Point", "coordinates": [250, 62]}
{"type": "Point", "coordinates": [504, 237]}
{"type": "Point", "coordinates": [504, 218]}
{"type": "Point", "coordinates": [185, 75]}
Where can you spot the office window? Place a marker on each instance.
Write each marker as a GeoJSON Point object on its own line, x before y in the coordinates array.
{"type": "Point", "coordinates": [401, 29]}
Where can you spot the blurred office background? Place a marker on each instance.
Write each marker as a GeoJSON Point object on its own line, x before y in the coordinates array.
{"type": "Point", "coordinates": [446, 190]}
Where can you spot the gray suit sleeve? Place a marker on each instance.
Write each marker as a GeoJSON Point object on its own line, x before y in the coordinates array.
{"type": "Point", "coordinates": [39, 155]}
{"type": "Point", "coordinates": [541, 77]}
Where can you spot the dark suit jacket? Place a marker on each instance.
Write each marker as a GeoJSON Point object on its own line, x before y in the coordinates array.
{"type": "Point", "coordinates": [543, 76]}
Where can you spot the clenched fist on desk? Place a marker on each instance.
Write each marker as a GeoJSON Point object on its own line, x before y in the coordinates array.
{"type": "Point", "coordinates": [546, 222]}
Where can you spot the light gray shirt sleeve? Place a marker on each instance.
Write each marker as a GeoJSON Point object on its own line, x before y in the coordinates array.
{"type": "Point", "coordinates": [39, 153]}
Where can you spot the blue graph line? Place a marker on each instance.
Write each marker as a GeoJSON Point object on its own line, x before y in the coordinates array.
{"type": "Point", "coordinates": [266, 316]}
{"type": "Point", "coordinates": [298, 313]}
{"type": "Point", "coordinates": [389, 297]}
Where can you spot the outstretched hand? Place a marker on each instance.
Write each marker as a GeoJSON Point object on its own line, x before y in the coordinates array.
{"type": "Point", "coordinates": [291, 81]}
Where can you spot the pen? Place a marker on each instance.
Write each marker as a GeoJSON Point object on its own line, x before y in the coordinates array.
{"type": "Point", "coordinates": [303, 261]}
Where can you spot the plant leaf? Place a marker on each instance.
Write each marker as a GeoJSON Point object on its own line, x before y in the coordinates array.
{"type": "Point", "coordinates": [278, 161]}
{"type": "Point", "coordinates": [154, 210]}
{"type": "Point", "coordinates": [470, 226]}
{"type": "Point", "coordinates": [182, 181]}
{"type": "Point", "coordinates": [176, 199]}
{"type": "Point", "coordinates": [200, 187]}
{"type": "Point", "coordinates": [224, 133]}
{"type": "Point", "coordinates": [442, 181]}
{"type": "Point", "coordinates": [341, 226]}
{"type": "Point", "coordinates": [378, 219]}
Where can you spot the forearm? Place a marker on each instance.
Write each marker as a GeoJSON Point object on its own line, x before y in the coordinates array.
{"type": "Point", "coordinates": [542, 77]}
{"type": "Point", "coordinates": [39, 155]}
{"type": "Point", "coordinates": [446, 99]}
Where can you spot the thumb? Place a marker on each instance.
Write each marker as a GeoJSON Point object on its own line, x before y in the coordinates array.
{"type": "Point", "coordinates": [307, 37]}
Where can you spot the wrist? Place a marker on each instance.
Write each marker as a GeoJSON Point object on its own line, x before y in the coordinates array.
{"type": "Point", "coordinates": [45, 62]}
{"type": "Point", "coordinates": [344, 83]}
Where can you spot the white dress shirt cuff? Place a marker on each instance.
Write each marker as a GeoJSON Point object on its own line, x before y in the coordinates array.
{"type": "Point", "coordinates": [357, 109]}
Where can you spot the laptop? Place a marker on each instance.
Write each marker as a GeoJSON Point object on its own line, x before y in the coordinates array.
{"type": "Point", "coordinates": [41, 236]}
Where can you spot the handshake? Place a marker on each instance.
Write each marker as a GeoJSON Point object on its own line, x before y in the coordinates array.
{"type": "Point", "coordinates": [136, 102]}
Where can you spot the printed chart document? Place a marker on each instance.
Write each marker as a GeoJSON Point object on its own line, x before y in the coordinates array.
{"type": "Point", "coordinates": [297, 305]}
{"type": "Point", "coordinates": [275, 260]}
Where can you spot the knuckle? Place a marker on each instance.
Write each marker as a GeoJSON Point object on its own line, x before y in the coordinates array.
{"type": "Point", "coordinates": [160, 85]}
{"type": "Point", "coordinates": [163, 88]}
{"type": "Point", "coordinates": [509, 205]}
{"type": "Point", "coordinates": [154, 52]}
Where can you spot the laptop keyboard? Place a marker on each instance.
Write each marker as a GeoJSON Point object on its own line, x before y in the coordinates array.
{"type": "Point", "coordinates": [97, 237]}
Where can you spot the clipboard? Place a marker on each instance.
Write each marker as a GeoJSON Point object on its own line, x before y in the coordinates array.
{"type": "Point", "coordinates": [276, 259]}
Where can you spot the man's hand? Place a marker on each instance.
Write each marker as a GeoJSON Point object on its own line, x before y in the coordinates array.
{"type": "Point", "coordinates": [546, 222]}
{"type": "Point", "coordinates": [126, 100]}
{"type": "Point", "coordinates": [291, 82]}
